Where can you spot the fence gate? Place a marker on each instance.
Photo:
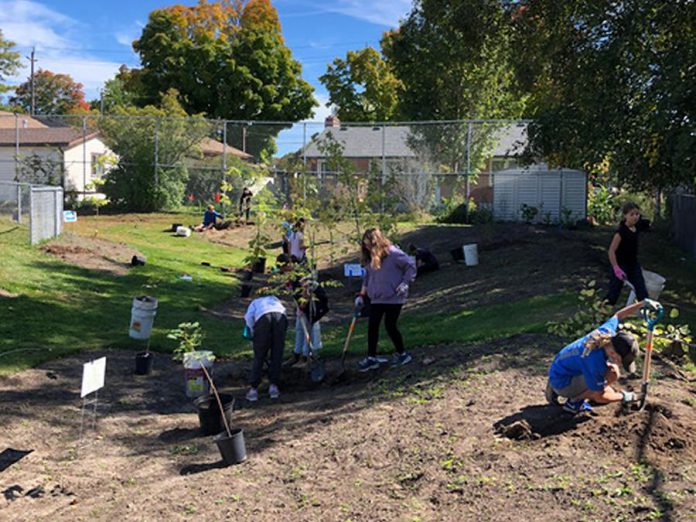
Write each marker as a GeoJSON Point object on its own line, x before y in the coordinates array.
{"type": "Point", "coordinates": [46, 213]}
{"type": "Point", "coordinates": [553, 192]}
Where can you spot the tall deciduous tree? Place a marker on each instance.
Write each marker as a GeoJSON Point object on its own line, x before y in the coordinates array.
{"type": "Point", "coordinates": [9, 62]}
{"type": "Point", "coordinates": [228, 60]}
{"type": "Point", "coordinates": [453, 60]}
{"type": "Point", "coordinates": [612, 83]}
{"type": "Point", "coordinates": [362, 86]}
{"type": "Point", "coordinates": [54, 94]}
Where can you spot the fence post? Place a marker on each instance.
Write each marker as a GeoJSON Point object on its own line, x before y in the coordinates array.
{"type": "Point", "coordinates": [31, 221]}
{"type": "Point", "coordinates": [156, 177]}
{"type": "Point", "coordinates": [16, 158]}
{"type": "Point", "coordinates": [84, 157]}
{"type": "Point", "coordinates": [384, 167]}
{"type": "Point", "coordinates": [468, 160]}
{"type": "Point", "coordinates": [19, 203]}
{"type": "Point", "coordinates": [224, 157]}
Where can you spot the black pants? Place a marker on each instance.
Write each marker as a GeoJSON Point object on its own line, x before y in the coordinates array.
{"type": "Point", "coordinates": [269, 335]}
{"type": "Point", "coordinates": [634, 274]}
{"type": "Point", "coordinates": [390, 312]}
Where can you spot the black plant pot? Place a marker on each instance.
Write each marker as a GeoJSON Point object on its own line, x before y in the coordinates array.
{"type": "Point", "coordinates": [137, 261]}
{"type": "Point", "coordinates": [246, 275]}
{"type": "Point", "coordinates": [232, 449]}
{"type": "Point", "coordinates": [209, 416]}
{"type": "Point", "coordinates": [260, 265]}
{"type": "Point", "coordinates": [175, 226]}
{"type": "Point", "coordinates": [457, 254]}
{"type": "Point", "coordinates": [246, 290]}
{"type": "Point", "coordinates": [143, 363]}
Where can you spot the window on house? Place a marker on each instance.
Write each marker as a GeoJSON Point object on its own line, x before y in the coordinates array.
{"type": "Point", "coordinates": [97, 165]}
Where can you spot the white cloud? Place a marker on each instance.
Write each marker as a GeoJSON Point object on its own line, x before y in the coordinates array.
{"type": "Point", "coordinates": [322, 111]}
{"type": "Point", "coordinates": [59, 42]}
{"type": "Point", "coordinates": [385, 13]}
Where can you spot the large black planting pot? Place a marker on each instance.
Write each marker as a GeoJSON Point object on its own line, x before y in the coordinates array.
{"type": "Point", "coordinates": [209, 416]}
{"type": "Point", "coordinates": [232, 448]}
{"type": "Point", "coordinates": [143, 363]}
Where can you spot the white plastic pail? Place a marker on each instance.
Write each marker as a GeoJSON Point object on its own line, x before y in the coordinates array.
{"type": "Point", "coordinates": [471, 254]}
{"type": "Point", "coordinates": [654, 284]}
{"type": "Point", "coordinates": [196, 382]}
{"type": "Point", "coordinates": [183, 231]}
{"type": "Point", "coordinates": [142, 316]}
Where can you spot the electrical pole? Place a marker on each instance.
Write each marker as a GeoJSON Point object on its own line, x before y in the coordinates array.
{"type": "Point", "coordinates": [31, 81]}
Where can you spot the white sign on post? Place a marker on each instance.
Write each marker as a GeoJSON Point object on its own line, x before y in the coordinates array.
{"type": "Point", "coordinates": [353, 270]}
{"type": "Point", "coordinates": [93, 376]}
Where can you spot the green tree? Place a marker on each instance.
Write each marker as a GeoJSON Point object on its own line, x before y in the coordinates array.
{"type": "Point", "coordinates": [611, 83]}
{"type": "Point", "coordinates": [151, 144]}
{"type": "Point", "coordinates": [452, 58]}
{"type": "Point", "coordinates": [362, 87]}
{"type": "Point", "coordinates": [9, 62]}
{"type": "Point", "coordinates": [120, 91]}
{"type": "Point", "coordinates": [53, 93]}
{"type": "Point", "coordinates": [228, 60]}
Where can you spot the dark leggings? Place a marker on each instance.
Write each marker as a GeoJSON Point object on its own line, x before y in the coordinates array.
{"type": "Point", "coordinates": [634, 274]}
{"type": "Point", "coordinates": [390, 312]}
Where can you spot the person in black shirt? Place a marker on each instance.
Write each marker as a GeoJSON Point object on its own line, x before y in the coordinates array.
{"type": "Point", "coordinates": [425, 260]}
{"type": "Point", "coordinates": [245, 204]}
{"type": "Point", "coordinates": [623, 254]}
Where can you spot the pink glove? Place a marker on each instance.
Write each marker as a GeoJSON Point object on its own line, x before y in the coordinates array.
{"type": "Point", "coordinates": [620, 274]}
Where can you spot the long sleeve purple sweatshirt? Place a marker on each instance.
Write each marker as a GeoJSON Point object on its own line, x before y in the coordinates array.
{"type": "Point", "coordinates": [381, 284]}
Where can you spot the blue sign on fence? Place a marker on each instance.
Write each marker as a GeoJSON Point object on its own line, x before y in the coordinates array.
{"type": "Point", "coordinates": [69, 216]}
{"type": "Point", "coordinates": [353, 270]}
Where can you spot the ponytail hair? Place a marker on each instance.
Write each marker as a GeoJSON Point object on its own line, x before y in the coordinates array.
{"type": "Point", "coordinates": [596, 340]}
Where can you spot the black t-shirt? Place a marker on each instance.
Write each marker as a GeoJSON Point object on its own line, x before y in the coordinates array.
{"type": "Point", "coordinates": [627, 252]}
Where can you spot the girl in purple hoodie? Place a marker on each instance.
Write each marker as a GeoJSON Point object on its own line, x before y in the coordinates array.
{"type": "Point", "coordinates": [388, 273]}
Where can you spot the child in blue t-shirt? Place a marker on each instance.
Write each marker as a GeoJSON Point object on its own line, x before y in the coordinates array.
{"type": "Point", "coordinates": [210, 218]}
{"type": "Point", "coordinates": [586, 368]}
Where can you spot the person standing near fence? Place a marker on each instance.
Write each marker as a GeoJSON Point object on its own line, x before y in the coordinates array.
{"type": "Point", "coordinates": [623, 254]}
{"type": "Point", "coordinates": [388, 274]}
{"type": "Point", "coordinates": [245, 204]}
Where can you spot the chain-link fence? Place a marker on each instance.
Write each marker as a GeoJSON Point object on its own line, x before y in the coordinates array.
{"type": "Point", "coordinates": [154, 162]}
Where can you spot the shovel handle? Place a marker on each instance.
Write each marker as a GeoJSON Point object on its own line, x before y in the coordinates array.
{"type": "Point", "coordinates": [350, 333]}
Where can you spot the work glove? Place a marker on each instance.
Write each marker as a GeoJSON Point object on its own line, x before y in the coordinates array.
{"type": "Point", "coordinates": [402, 289]}
{"type": "Point", "coordinates": [359, 302]}
{"type": "Point", "coordinates": [247, 333]}
{"type": "Point", "coordinates": [620, 274]}
{"type": "Point", "coordinates": [627, 397]}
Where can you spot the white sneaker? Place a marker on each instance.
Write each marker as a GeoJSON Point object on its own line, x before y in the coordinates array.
{"type": "Point", "coordinates": [252, 395]}
{"type": "Point", "coordinates": [273, 391]}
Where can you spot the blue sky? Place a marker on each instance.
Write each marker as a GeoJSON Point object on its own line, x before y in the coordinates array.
{"type": "Point", "coordinates": [90, 39]}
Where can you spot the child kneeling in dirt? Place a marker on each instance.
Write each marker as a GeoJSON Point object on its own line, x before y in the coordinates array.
{"type": "Point", "coordinates": [584, 370]}
{"type": "Point", "coordinates": [266, 323]}
{"type": "Point", "coordinates": [210, 218]}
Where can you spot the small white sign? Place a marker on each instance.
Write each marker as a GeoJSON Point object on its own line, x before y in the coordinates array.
{"type": "Point", "coordinates": [93, 374]}
{"type": "Point", "coordinates": [69, 216]}
{"type": "Point", "coordinates": [353, 270]}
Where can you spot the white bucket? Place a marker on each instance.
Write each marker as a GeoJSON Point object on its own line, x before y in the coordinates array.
{"type": "Point", "coordinates": [654, 284]}
{"type": "Point", "coordinates": [183, 231]}
{"type": "Point", "coordinates": [142, 316]}
{"type": "Point", "coordinates": [196, 382]}
{"type": "Point", "coordinates": [471, 254]}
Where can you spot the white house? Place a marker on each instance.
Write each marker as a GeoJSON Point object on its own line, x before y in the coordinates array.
{"type": "Point", "coordinates": [23, 138]}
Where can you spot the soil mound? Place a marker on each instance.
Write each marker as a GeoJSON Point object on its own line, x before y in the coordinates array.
{"type": "Point", "coordinates": [92, 253]}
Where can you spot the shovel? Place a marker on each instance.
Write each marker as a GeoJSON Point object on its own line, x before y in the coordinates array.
{"type": "Point", "coordinates": [317, 371]}
{"type": "Point", "coordinates": [652, 317]}
{"type": "Point", "coordinates": [342, 369]}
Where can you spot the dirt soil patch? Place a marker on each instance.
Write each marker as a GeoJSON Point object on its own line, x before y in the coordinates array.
{"type": "Point", "coordinates": [92, 253]}
{"type": "Point", "coordinates": [427, 441]}
{"type": "Point", "coordinates": [547, 260]}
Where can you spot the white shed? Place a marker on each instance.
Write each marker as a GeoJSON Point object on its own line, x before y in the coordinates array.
{"type": "Point", "coordinates": [553, 192]}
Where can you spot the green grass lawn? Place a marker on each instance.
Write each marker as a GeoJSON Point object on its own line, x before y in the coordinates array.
{"type": "Point", "coordinates": [60, 308]}
{"type": "Point", "coordinates": [55, 309]}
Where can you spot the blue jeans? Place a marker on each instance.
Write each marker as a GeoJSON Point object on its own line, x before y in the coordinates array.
{"type": "Point", "coordinates": [301, 345]}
